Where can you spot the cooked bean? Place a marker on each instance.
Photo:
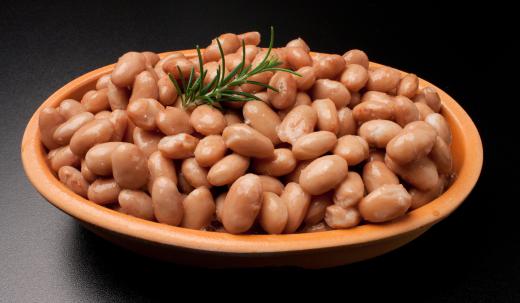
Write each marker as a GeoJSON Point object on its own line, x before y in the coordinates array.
{"type": "Point", "coordinates": [301, 99]}
{"type": "Point", "coordinates": [328, 66]}
{"type": "Point", "coordinates": [159, 66]}
{"type": "Point", "coordinates": [199, 208]}
{"type": "Point", "coordinates": [271, 184]}
{"type": "Point", "coordinates": [281, 163]}
{"type": "Point", "coordinates": [64, 132]}
{"type": "Point", "coordinates": [232, 117]}
{"type": "Point", "coordinates": [350, 191]}
{"type": "Point", "coordinates": [286, 86]}
{"type": "Point", "coordinates": [95, 101]}
{"type": "Point", "coordinates": [313, 145]}
{"type": "Point", "coordinates": [430, 97]}
{"type": "Point", "coordinates": [102, 115]}
{"type": "Point", "coordinates": [375, 96]}
{"type": "Point", "coordinates": [420, 198]}
{"type": "Point", "coordinates": [263, 77]}
{"type": "Point", "coordinates": [127, 68]}
{"type": "Point", "coordinates": [385, 203]}
{"type": "Point", "coordinates": [378, 133]}
{"type": "Point", "coordinates": [172, 121]}
{"type": "Point", "coordinates": [327, 115]}
{"type": "Point", "coordinates": [242, 204]}
{"type": "Point", "coordinates": [219, 206]}
{"type": "Point", "coordinates": [408, 86]}
{"type": "Point", "coordinates": [196, 175]}
{"type": "Point", "coordinates": [355, 99]}
{"type": "Point", "coordinates": [87, 174]}
{"type": "Point", "coordinates": [317, 208]}
{"type": "Point", "coordinates": [412, 144]}
{"type": "Point", "coordinates": [297, 57]}
{"type": "Point", "coordinates": [353, 149]}
{"type": "Point", "coordinates": [62, 156]}
{"type": "Point", "coordinates": [438, 122]}
{"type": "Point", "coordinates": [145, 86]}
{"type": "Point", "coordinates": [299, 42]}
{"type": "Point", "coordinates": [338, 217]}
{"type": "Point", "coordinates": [151, 58]}
{"type": "Point", "coordinates": [297, 202]}
{"type": "Point", "coordinates": [136, 203]}
{"type": "Point", "coordinates": [167, 91]}
{"type": "Point", "coordinates": [377, 174]}
{"type": "Point", "coordinates": [298, 122]}
{"type": "Point", "coordinates": [183, 185]}
{"type": "Point", "coordinates": [334, 90]}
{"type": "Point", "coordinates": [104, 191]}
{"type": "Point", "coordinates": [307, 79]}
{"type": "Point", "coordinates": [207, 120]}
{"type": "Point", "coordinates": [383, 79]}
{"type": "Point", "coordinates": [210, 150]}
{"type": "Point", "coordinates": [69, 108]}
{"type": "Point", "coordinates": [180, 146]}
{"type": "Point", "coordinates": [231, 42]}
{"type": "Point", "coordinates": [405, 111]}
{"type": "Point", "coordinates": [251, 52]}
{"type": "Point", "coordinates": [102, 82]}
{"type": "Point", "coordinates": [323, 174]}
{"type": "Point", "coordinates": [99, 158]}
{"type": "Point", "coordinates": [247, 141]}
{"type": "Point", "coordinates": [441, 156]}
{"type": "Point", "coordinates": [147, 141]}
{"type": "Point", "coordinates": [262, 118]}
{"type": "Point", "coordinates": [366, 111]}
{"type": "Point", "coordinates": [48, 121]}
{"type": "Point", "coordinates": [354, 77]}
{"type": "Point", "coordinates": [143, 112]}
{"type": "Point", "coordinates": [228, 169]}
{"type": "Point", "coordinates": [273, 215]}
{"type": "Point", "coordinates": [347, 124]}
{"type": "Point", "coordinates": [233, 60]}
{"type": "Point", "coordinates": [421, 173]}
{"type": "Point", "coordinates": [424, 110]}
{"type": "Point", "coordinates": [160, 166]}
{"type": "Point", "coordinates": [178, 66]}
{"type": "Point", "coordinates": [316, 228]}
{"type": "Point", "coordinates": [356, 56]}
{"type": "Point", "coordinates": [73, 179]}
{"type": "Point", "coordinates": [117, 96]}
{"type": "Point", "coordinates": [90, 134]}
{"type": "Point", "coordinates": [119, 120]}
{"type": "Point", "coordinates": [129, 166]}
{"type": "Point", "coordinates": [294, 176]}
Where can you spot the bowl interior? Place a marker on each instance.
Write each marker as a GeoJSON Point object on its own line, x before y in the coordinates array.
{"type": "Point", "coordinates": [467, 159]}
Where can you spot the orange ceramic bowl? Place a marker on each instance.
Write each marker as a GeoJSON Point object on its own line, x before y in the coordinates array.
{"type": "Point", "coordinates": [311, 250]}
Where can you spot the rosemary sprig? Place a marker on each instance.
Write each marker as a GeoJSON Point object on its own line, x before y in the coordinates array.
{"type": "Point", "coordinates": [194, 92]}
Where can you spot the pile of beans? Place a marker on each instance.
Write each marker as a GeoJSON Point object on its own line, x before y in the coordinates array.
{"type": "Point", "coordinates": [343, 144]}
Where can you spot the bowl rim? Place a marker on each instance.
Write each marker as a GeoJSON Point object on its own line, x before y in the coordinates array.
{"type": "Point", "coordinates": [39, 174]}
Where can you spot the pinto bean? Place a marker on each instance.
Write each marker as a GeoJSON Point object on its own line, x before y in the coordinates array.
{"type": "Point", "coordinates": [173, 121]}
{"type": "Point", "coordinates": [178, 67]}
{"type": "Point", "coordinates": [350, 191]}
{"type": "Point", "coordinates": [210, 150]}
{"type": "Point", "coordinates": [299, 42]}
{"type": "Point", "coordinates": [104, 191]}
{"type": "Point", "coordinates": [160, 166]}
{"type": "Point", "coordinates": [232, 117]}
{"type": "Point", "coordinates": [273, 215]}
{"type": "Point", "coordinates": [441, 156]}
{"type": "Point", "coordinates": [271, 184]}
{"type": "Point", "coordinates": [386, 203]}
{"type": "Point", "coordinates": [180, 146]}
{"type": "Point", "coordinates": [307, 79]}
{"type": "Point", "coordinates": [347, 124]}
{"type": "Point", "coordinates": [338, 217]}
{"type": "Point", "coordinates": [297, 202]}
{"type": "Point", "coordinates": [313, 145]}
{"type": "Point", "coordinates": [136, 203]}
{"type": "Point", "coordinates": [328, 66]}
{"type": "Point", "coordinates": [167, 91]}
{"type": "Point", "coordinates": [242, 204]}
{"type": "Point", "coordinates": [334, 90]}
{"type": "Point", "coordinates": [297, 57]}
{"type": "Point", "coordinates": [366, 111]}
{"type": "Point", "coordinates": [64, 132]}
{"type": "Point", "coordinates": [281, 163]}
{"type": "Point", "coordinates": [127, 68]}
{"type": "Point", "coordinates": [327, 115]}
{"type": "Point", "coordinates": [421, 173]}
{"type": "Point", "coordinates": [413, 142]}
{"type": "Point", "coordinates": [405, 111]}
{"type": "Point", "coordinates": [286, 86]}
{"type": "Point", "coordinates": [294, 176]}
{"type": "Point", "coordinates": [199, 208]}
{"type": "Point", "coordinates": [378, 133]}
{"type": "Point", "coordinates": [147, 141]}
{"type": "Point", "coordinates": [383, 79]}
{"type": "Point", "coordinates": [145, 86]}
{"type": "Point", "coordinates": [62, 156]}
{"type": "Point", "coordinates": [298, 122]}
{"type": "Point", "coordinates": [129, 166]}
{"type": "Point", "coordinates": [408, 86]}
{"type": "Point", "coordinates": [323, 174]}
{"type": "Point", "coordinates": [90, 134]}
{"type": "Point", "coordinates": [143, 112]}
{"type": "Point", "coordinates": [438, 122]}
{"type": "Point", "coordinates": [356, 56]}
{"type": "Point", "coordinates": [117, 96]}
{"type": "Point", "coordinates": [430, 97]}
{"type": "Point", "coordinates": [354, 77]}
{"type": "Point", "coordinates": [262, 118]}
{"type": "Point", "coordinates": [196, 175]}
{"type": "Point", "coordinates": [247, 141]}
{"type": "Point", "coordinates": [73, 179]}
{"type": "Point", "coordinates": [87, 174]}
{"type": "Point", "coordinates": [48, 121]}
{"type": "Point", "coordinates": [353, 149]}
{"type": "Point", "coordinates": [70, 107]}
{"type": "Point", "coordinates": [424, 110]}
{"type": "Point", "coordinates": [99, 158]}
{"type": "Point", "coordinates": [317, 207]}
{"type": "Point", "coordinates": [377, 174]}
{"type": "Point", "coordinates": [420, 197]}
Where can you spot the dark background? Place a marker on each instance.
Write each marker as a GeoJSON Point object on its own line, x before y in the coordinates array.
{"type": "Point", "coordinates": [472, 256]}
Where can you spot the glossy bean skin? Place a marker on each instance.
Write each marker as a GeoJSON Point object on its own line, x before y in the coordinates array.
{"type": "Point", "coordinates": [105, 114]}
{"type": "Point", "coordinates": [147, 141]}
{"type": "Point", "coordinates": [333, 90]}
{"type": "Point", "coordinates": [323, 174]}
{"type": "Point", "coordinates": [102, 82]}
{"type": "Point", "coordinates": [262, 118]}
{"type": "Point", "coordinates": [210, 150]}
{"type": "Point", "coordinates": [251, 51]}
{"type": "Point", "coordinates": [383, 79]}
{"type": "Point", "coordinates": [297, 202]}
{"type": "Point", "coordinates": [420, 197]}
{"type": "Point", "coordinates": [350, 191]}
{"type": "Point", "coordinates": [298, 122]}
{"type": "Point", "coordinates": [172, 121]}
{"type": "Point", "coordinates": [232, 117]}
{"type": "Point", "coordinates": [297, 57]}
{"type": "Point", "coordinates": [150, 58]}
{"type": "Point", "coordinates": [424, 110]}
{"type": "Point", "coordinates": [376, 155]}
{"type": "Point", "coordinates": [273, 214]}
{"type": "Point", "coordinates": [421, 173]}
{"type": "Point", "coordinates": [408, 86]}
{"type": "Point", "coordinates": [64, 132]}
{"type": "Point", "coordinates": [441, 156]}
{"type": "Point", "coordinates": [328, 66]}
{"type": "Point", "coordinates": [375, 96]}
{"type": "Point", "coordinates": [299, 42]}
{"type": "Point", "coordinates": [317, 207]}
{"type": "Point", "coordinates": [372, 110]}
{"type": "Point", "coordinates": [143, 112]}
{"type": "Point", "coordinates": [271, 184]}
{"type": "Point", "coordinates": [242, 204]}
{"type": "Point", "coordinates": [196, 175]}
{"type": "Point", "coordinates": [231, 42]}
{"type": "Point", "coordinates": [385, 203]}
{"type": "Point", "coordinates": [129, 166]}
{"type": "Point", "coordinates": [307, 79]}
{"type": "Point", "coordinates": [378, 133]}
{"type": "Point", "coordinates": [158, 68]}
{"type": "Point", "coordinates": [173, 65]}
{"type": "Point", "coordinates": [73, 179]}
{"type": "Point", "coordinates": [377, 174]}
{"type": "Point", "coordinates": [430, 97]}
{"type": "Point", "coordinates": [286, 86]}
{"type": "Point", "coordinates": [48, 121]}
{"type": "Point", "coordinates": [247, 141]}
{"type": "Point", "coordinates": [180, 146]}
{"type": "Point", "coordinates": [104, 191]}
{"type": "Point", "coordinates": [90, 134]}
{"type": "Point", "coordinates": [327, 115]}
{"type": "Point", "coordinates": [301, 99]}
{"type": "Point", "coordinates": [119, 120]}
{"type": "Point", "coordinates": [207, 120]}
{"type": "Point", "coordinates": [281, 163]}
{"type": "Point", "coordinates": [405, 111]}
{"type": "Point", "coordinates": [127, 68]}
{"type": "Point", "coordinates": [438, 122]}
{"type": "Point", "coordinates": [95, 101]}
{"type": "Point", "coordinates": [353, 149]}
{"type": "Point", "coordinates": [412, 143]}
{"type": "Point", "coordinates": [99, 158]}
{"type": "Point", "coordinates": [355, 99]}
{"type": "Point", "coordinates": [87, 173]}
{"type": "Point", "coordinates": [62, 156]}
{"type": "Point", "coordinates": [354, 77]}
{"type": "Point", "coordinates": [228, 169]}
{"type": "Point", "coordinates": [199, 208]}
{"type": "Point", "coordinates": [145, 86]}
{"type": "Point", "coordinates": [313, 145]}
{"type": "Point", "coordinates": [264, 77]}
{"type": "Point", "coordinates": [167, 91]}
{"type": "Point", "coordinates": [338, 217]}
{"type": "Point", "coordinates": [219, 206]}
{"type": "Point", "coordinates": [294, 176]}
{"type": "Point", "coordinates": [117, 96]}
{"type": "Point", "coordinates": [347, 124]}
{"type": "Point", "coordinates": [69, 108]}
{"type": "Point", "coordinates": [356, 56]}
{"type": "Point", "coordinates": [183, 185]}
{"type": "Point", "coordinates": [136, 203]}
{"type": "Point", "coordinates": [160, 166]}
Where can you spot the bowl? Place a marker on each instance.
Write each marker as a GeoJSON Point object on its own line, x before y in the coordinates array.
{"type": "Point", "coordinates": [213, 249]}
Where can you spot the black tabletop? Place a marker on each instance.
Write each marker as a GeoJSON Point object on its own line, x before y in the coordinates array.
{"type": "Point", "coordinates": [46, 256]}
